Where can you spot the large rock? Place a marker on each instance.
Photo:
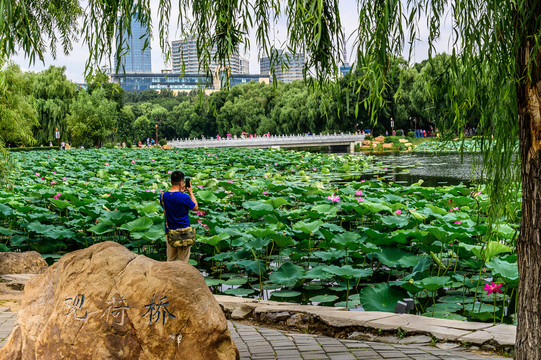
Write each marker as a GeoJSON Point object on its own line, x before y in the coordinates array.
{"type": "Point", "coordinates": [104, 302]}
{"type": "Point", "coordinates": [29, 262]}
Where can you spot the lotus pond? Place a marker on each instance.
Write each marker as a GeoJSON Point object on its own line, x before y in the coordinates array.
{"type": "Point", "coordinates": [277, 224]}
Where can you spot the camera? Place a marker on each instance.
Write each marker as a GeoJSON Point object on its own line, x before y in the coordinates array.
{"type": "Point", "coordinates": [188, 183]}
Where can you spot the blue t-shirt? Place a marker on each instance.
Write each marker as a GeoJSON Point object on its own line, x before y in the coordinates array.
{"type": "Point", "coordinates": [176, 206]}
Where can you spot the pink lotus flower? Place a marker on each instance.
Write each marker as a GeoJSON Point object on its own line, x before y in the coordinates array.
{"type": "Point", "coordinates": [398, 212]}
{"type": "Point", "coordinates": [147, 190]}
{"type": "Point", "coordinates": [360, 199]}
{"type": "Point", "coordinates": [493, 287]}
{"type": "Point", "coordinates": [334, 198]}
{"type": "Point", "coordinates": [200, 186]}
{"type": "Point", "coordinates": [359, 193]}
{"type": "Point", "coordinates": [42, 178]}
{"type": "Point", "coordinates": [203, 225]}
{"type": "Point", "coordinates": [38, 174]}
{"type": "Point", "coordinates": [106, 164]}
{"type": "Point", "coordinates": [458, 222]}
{"type": "Point", "coordinates": [230, 181]}
{"type": "Point", "coordinates": [64, 178]}
{"type": "Point", "coordinates": [297, 165]}
{"type": "Point", "coordinates": [85, 183]}
{"type": "Point", "coordinates": [153, 191]}
{"type": "Point", "coordinates": [53, 182]}
{"type": "Point", "coordinates": [275, 164]}
{"type": "Point", "coordinates": [385, 169]}
{"type": "Point", "coordinates": [169, 172]}
{"type": "Point", "coordinates": [363, 181]}
{"type": "Point", "coordinates": [314, 169]}
{"type": "Point", "coordinates": [133, 161]}
{"type": "Point", "coordinates": [54, 172]}
{"type": "Point", "coordinates": [200, 213]}
{"type": "Point", "coordinates": [153, 160]}
{"type": "Point", "coordinates": [453, 209]}
{"type": "Point", "coordinates": [266, 193]}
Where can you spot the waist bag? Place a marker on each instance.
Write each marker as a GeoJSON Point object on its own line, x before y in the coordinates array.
{"type": "Point", "coordinates": [179, 237]}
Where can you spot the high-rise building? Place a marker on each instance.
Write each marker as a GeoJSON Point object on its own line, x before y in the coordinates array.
{"type": "Point", "coordinates": [295, 65]}
{"type": "Point", "coordinates": [184, 53]}
{"type": "Point", "coordinates": [135, 60]}
{"type": "Point", "coordinates": [244, 66]}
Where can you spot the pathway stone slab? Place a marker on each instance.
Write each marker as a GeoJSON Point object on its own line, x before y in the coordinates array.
{"type": "Point", "coordinates": [478, 337]}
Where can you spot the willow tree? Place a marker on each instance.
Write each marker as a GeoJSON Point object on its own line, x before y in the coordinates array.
{"type": "Point", "coordinates": [499, 40]}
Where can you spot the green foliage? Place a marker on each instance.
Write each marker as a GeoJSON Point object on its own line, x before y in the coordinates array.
{"type": "Point", "coordinates": [270, 228]}
{"type": "Point", "coordinates": [53, 95]}
{"type": "Point", "coordinates": [17, 116]}
{"type": "Point", "coordinates": [92, 118]}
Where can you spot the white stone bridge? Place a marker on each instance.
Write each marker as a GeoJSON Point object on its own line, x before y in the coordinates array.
{"type": "Point", "coordinates": [333, 141]}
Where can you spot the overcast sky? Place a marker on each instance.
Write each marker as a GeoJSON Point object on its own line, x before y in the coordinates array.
{"type": "Point", "coordinates": [75, 62]}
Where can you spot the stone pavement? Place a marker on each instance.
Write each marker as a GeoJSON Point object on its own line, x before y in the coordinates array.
{"type": "Point", "coordinates": [257, 343]}
{"type": "Point", "coordinates": [368, 325]}
{"type": "Point", "coordinates": [7, 321]}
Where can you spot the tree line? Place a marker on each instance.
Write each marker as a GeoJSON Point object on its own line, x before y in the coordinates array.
{"type": "Point", "coordinates": [416, 97]}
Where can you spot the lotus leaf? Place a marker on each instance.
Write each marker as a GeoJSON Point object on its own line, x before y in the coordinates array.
{"type": "Point", "coordinates": [288, 274]}
{"type": "Point", "coordinates": [138, 225]}
{"type": "Point", "coordinates": [507, 271]}
{"type": "Point", "coordinates": [324, 298]}
{"type": "Point", "coordinates": [239, 291]}
{"type": "Point", "coordinates": [381, 297]}
{"type": "Point", "coordinates": [433, 283]}
{"type": "Point", "coordinates": [285, 293]}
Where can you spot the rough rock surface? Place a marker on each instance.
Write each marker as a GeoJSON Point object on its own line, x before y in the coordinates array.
{"type": "Point", "coordinates": [104, 302]}
{"type": "Point", "coordinates": [29, 262]}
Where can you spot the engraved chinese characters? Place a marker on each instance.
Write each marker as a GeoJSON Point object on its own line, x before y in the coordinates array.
{"type": "Point", "coordinates": [75, 304]}
{"type": "Point", "coordinates": [105, 302]}
{"type": "Point", "coordinates": [117, 309]}
{"type": "Point", "coordinates": [154, 310]}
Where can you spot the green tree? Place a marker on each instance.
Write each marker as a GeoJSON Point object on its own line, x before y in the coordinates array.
{"type": "Point", "coordinates": [142, 128]}
{"type": "Point", "coordinates": [92, 118]}
{"type": "Point", "coordinates": [17, 116]}
{"type": "Point", "coordinates": [125, 125]}
{"type": "Point", "coordinates": [53, 94]}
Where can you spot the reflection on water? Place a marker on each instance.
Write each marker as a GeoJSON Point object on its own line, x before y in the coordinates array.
{"type": "Point", "coordinates": [433, 169]}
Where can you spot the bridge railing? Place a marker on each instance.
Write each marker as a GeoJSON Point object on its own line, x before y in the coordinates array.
{"type": "Point", "coordinates": [277, 140]}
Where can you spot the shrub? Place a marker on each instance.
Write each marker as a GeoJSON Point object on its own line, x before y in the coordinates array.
{"type": "Point", "coordinates": [109, 146]}
{"type": "Point", "coordinates": [162, 142]}
{"type": "Point", "coordinates": [399, 132]}
{"type": "Point", "coordinates": [369, 137]}
{"type": "Point", "coordinates": [411, 134]}
{"type": "Point", "coordinates": [34, 148]}
{"type": "Point", "coordinates": [392, 139]}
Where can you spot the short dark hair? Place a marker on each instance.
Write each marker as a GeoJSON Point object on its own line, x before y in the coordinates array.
{"type": "Point", "coordinates": [177, 177]}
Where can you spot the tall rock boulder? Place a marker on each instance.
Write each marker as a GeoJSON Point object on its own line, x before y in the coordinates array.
{"type": "Point", "coordinates": [29, 262]}
{"type": "Point", "coordinates": [105, 302]}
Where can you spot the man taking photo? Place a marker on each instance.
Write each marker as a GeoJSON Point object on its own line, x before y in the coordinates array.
{"type": "Point", "coordinates": [176, 205]}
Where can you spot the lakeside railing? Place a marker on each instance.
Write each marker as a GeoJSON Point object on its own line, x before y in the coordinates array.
{"type": "Point", "coordinates": [268, 141]}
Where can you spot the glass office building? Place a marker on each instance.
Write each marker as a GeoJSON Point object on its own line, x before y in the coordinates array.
{"type": "Point", "coordinates": [295, 64]}
{"type": "Point", "coordinates": [180, 83]}
{"type": "Point", "coordinates": [135, 59]}
{"type": "Point", "coordinates": [184, 54]}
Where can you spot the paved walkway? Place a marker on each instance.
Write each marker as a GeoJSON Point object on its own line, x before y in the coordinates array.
{"type": "Point", "coordinates": [256, 343]}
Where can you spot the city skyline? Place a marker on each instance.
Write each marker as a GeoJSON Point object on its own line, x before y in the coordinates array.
{"type": "Point", "coordinates": [75, 61]}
